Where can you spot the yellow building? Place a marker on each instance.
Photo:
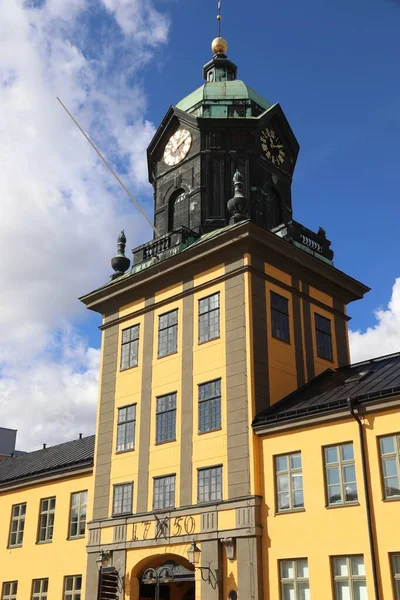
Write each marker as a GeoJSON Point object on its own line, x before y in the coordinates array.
{"type": "Point", "coordinates": [228, 461]}
{"type": "Point", "coordinates": [44, 500]}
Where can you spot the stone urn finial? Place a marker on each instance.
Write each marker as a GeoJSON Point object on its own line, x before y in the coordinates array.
{"type": "Point", "coordinates": [237, 205]}
{"type": "Point", "coordinates": [120, 263]}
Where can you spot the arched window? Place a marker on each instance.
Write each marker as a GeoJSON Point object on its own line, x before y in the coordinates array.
{"type": "Point", "coordinates": [179, 210]}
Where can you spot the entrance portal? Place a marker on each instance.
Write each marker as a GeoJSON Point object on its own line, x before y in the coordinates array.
{"type": "Point", "coordinates": [169, 581]}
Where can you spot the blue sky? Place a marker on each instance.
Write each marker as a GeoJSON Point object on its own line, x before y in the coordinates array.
{"type": "Point", "coordinates": [119, 65]}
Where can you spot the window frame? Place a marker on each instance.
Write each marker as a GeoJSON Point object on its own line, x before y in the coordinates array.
{"type": "Point", "coordinates": [125, 484]}
{"type": "Point", "coordinates": [20, 518]}
{"type": "Point", "coordinates": [42, 594]}
{"type": "Point", "coordinates": [340, 464]}
{"type": "Point", "coordinates": [395, 574]}
{"type": "Point", "coordinates": [165, 426]}
{"type": "Point", "coordinates": [208, 401]}
{"type": "Point", "coordinates": [281, 313]}
{"type": "Point", "coordinates": [291, 489]}
{"type": "Point", "coordinates": [128, 343]}
{"type": "Point", "coordinates": [125, 423]}
{"type": "Point", "coordinates": [71, 594]}
{"type": "Point", "coordinates": [295, 580]}
{"type": "Point", "coordinates": [326, 335]}
{"type": "Point", "coordinates": [210, 468]}
{"type": "Point", "coordinates": [79, 521]}
{"type": "Point", "coordinates": [168, 328]}
{"type": "Point", "coordinates": [349, 578]}
{"type": "Point", "coordinates": [48, 513]}
{"type": "Point", "coordinates": [208, 313]}
{"type": "Point", "coordinates": [395, 455]}
{"type": "Point", "coordinates": [12, 595]}
{"type": "Point", "coordinates": [172, 477]}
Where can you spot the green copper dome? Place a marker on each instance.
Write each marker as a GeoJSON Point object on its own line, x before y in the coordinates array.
{"type": "Point", "coordinates": [222, 99]}
{"type": "Point", "coordinates": [223, 96]}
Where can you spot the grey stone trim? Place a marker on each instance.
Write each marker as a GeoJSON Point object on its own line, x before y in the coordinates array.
{"type": "Point", "coordinates": [94, 537]}
{"type": "Point", "coordinates": [298, 333]}
{"type": "Point", "coordinates": [308, 334]}
{"type": "Point", "coordinates": [260, 335]}
{"type": "Point", "coordinates": [145, 410]}
{"type": "Point", "coordinates": [249, 568]}
{"type": "Point", "coordinates": [211, 556]}
{"type": "Point", "coordinates": [245, 517]}
{"type": "Point", "coordinates": [244, 532]}
{"type": "Point", "coordinates": [104, 445]}
{"type": "Point", "coordinates": [92, 575]}
{"type": "Point", "coordinates": [341, 335]}
{"type": "Point", "coordinates": [209, 521]}
{"type": "Point", "coordinates": [236, 375]}
{"type": "Point", "coordinates": [187, 398]}
{"type": "Point", "coordinates": [119, 534]}
{"type": "Point", "coordinates": [119, 562]}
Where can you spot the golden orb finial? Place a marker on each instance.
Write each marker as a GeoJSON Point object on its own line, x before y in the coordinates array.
{"type": "Point", "coordinates": [219, 45]}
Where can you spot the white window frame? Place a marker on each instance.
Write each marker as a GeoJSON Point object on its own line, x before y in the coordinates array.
{"type": "Point", "coordinates": [9, 590]}
{"type": "Point", "coordinates": [350, 578]}
{"type": "Point", "coordinates": [43, 589]}
{"type": "Point", "coordinates": [79, 506]}
{"type": "Point", "coordinates": [292, 473]}
{"type": "Point", "coordinates": [19, 520]}
{"type": "Point", "coordinates": [340, 464]}
{"type": "Point", "coordinates": [295, 580]}
{"type": "Point", "coordinates": [75, 593]}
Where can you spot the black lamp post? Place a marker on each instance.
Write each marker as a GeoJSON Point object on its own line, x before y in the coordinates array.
{"type": "Point", "coordinates": [156, 576]}
{"type": "Point", "coordinates": [194, 557]}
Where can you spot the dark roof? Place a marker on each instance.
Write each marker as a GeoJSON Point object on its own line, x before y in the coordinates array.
{"type": "Point", "coordinates": [69, 455]}
{"type": "Point", "coordinates": [363, 382]}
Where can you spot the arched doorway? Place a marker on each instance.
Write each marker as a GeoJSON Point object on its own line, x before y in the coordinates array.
{"type": "Point", "coordinates": [167, 581]}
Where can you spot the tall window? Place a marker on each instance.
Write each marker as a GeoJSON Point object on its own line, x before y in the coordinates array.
{"type": "Point", "coordinates": [72, 587]}
{"type": "Point", "coordinates": [390, 461]}
{"type": "Point", "coordinates": [9, 591]}
{"type": "Point", "coordinates": [349, 578]}
{"type": "Point", "coordinates": [130, 347]}
{"type": "Point", "coordinates": [294, 579]}
{"type": "Point", "coordinates": [122, 501]}
{"type": "Point", "coordinates": [164, 492]}
{"type": "Point", "coordinates": [323, 337]}
{"type": "Point", "coordinates": [17, 524]}
{"type": "Point", "coordinates": [396, 574]}
{"type": "Point", "coordinates": [209, 318]}
{"type": "Point", "coordinates": [166, 418]}
{"type": "Point", "coordinates": [340, 474]}
{"type": "Point", "coordinates": [210, 405]}
{"type": "Point", "coordinates": [280, 317]}
{"type": "Point", "coordinates": [289, 481]}
{"type": "Point", "coordinates": [179, 210]}
{"type": "Point", "coordinates": [46, 522]}
{"type": "Point", "coordinates": [39, 589]}
{"type": "Point", "coordinates": [209, 484]}
{"type": "Point", "coordinates": [126, 428]}
{"type": "Point", "coordinates": [77, 522]}
{"type": "Point", "coordinates": [167, 333]}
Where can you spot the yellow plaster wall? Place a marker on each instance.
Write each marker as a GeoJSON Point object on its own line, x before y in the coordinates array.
{"type": "Point", "coordinates": [321, 296]}
{"type": "Point", "coordinates": [209, 362]}
{"type": "Point", "coordinates": [281, 355]}
{"type": "Point", "coordinates": [53, 560]}
{"type": "Point", "coordinates": [318, 533]}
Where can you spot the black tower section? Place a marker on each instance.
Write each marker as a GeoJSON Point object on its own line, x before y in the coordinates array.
{"type": "Point", "coordinates": [225, 119]}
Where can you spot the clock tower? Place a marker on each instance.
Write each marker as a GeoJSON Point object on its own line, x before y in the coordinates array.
{"type": "Point", "coordinates": [221, 128]}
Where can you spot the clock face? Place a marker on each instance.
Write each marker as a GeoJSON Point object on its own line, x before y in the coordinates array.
{"type": "Point", "coordinates": [272, 147]}
{"type": "Point", "coordinates": [177, 147]}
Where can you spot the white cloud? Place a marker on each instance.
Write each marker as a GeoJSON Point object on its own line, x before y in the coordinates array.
{"type": "Point", "coordinates": [382, 338]}
{"type": "Point", "coordinates": [60, 210]}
